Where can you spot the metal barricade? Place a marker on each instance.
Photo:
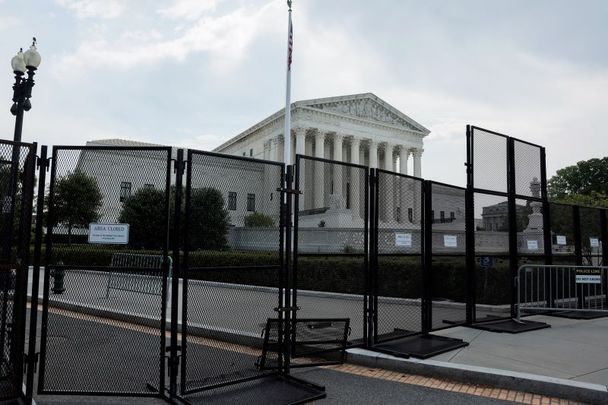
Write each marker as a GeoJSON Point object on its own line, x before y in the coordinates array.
{"type": "Point", "coordinates": [560, 288]}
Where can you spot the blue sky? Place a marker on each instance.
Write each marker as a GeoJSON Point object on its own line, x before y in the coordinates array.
{"type": "Point", "coordinates": [196, 72]}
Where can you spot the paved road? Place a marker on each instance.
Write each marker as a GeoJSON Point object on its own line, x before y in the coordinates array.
{"type": "Point", "coordinates": [243, 310]}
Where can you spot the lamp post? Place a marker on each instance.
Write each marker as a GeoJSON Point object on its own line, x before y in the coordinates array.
{"type": "Point", "coordinates": [22, 92]}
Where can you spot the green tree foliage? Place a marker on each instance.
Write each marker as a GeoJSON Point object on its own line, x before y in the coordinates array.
{"type": "Point", "coordinates": [258, 220]}
{"type": "Point", "coordinates": [145, 212]}
{"type": "Point", "coordinates": [77, 200]}
{"type": "Point", "coordinates": [585, 183]}
{"type": "Point", "coordinates": [209, 220]}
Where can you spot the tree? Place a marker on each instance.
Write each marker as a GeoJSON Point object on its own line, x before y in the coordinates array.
{"type": "Point", "coordinates": [209, 220]}
{"type": "Point", "coordinates": [258, 220]}
{"type": "Point", "coordinates": [145, 212]}
{"type": "Point", "coordinates": [585, 183]}
{"type": "Point", "coordinates": [76, 201]}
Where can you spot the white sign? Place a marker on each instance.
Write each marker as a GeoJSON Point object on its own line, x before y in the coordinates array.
{"type": "Point", "coordinates": [450, 241]}
{"type": "Point", "coordinates": [561, 239]}
{"type": "Point", "coordinates": [403, 239]}
{"type": "Point", "coordinates": [532, 244]}
{"type": "Point", "coordinates": [588, 276]}
{"type": "Point", "coordinates": [117, 234]}
{"type": "Point", "coordinates": [594, 242]}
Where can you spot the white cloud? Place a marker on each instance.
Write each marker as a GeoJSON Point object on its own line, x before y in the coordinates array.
{"type": "Point", "coordinates": [94, 8]}
{"type": "Point", "coordinates": [225, 37]}
{"type": "Point", "coordinates": [188, 9]}
{"type": "Point", "coordinates": [8, 22]}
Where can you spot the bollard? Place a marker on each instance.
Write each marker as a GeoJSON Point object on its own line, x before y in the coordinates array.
{"type": "Point", "coordinates": [58, 276]}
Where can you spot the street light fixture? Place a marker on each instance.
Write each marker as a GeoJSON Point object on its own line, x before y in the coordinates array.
{"type": "Point", "coordinates": [22, 92]}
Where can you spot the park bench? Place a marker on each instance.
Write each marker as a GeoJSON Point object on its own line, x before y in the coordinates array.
{"type": "Point", "coordinates": [140, 273]}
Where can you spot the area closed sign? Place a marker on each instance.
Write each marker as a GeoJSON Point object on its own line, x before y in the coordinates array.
{"type": "Point", "coordinates": [403, 239]}
{"type": "Point", "coordinates": [111, 234]}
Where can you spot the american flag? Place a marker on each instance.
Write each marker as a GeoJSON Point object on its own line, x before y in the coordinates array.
{"type": "Point", "coordinates": [289, 44]}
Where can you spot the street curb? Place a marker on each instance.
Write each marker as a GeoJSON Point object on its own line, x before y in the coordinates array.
{"type": "Point", "coordinates": [533, 383]}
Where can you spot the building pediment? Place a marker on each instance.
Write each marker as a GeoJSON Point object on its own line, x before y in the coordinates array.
{"type": "Point", "coordinates": [367, 107]}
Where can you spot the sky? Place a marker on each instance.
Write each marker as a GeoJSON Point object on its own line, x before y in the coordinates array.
{"type": "Point", "coordinates": [195, 73]}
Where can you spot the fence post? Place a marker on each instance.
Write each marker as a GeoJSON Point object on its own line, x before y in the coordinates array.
{"type": "Point", "coordinates": [578, 248]}
{"type": "Point", "coordinates": [513, 253]}
{"type": "Point", "coordinates": [32, 355]}
{"type": "Point", "coordinates": [470, 233]}
{"type": "Point", "coordinates": [372, 284]}
{"type": "Point", "coordinates": [427, 260]}
{"type": "Point", "coordinates": [604, 236]}
{"type": "Point", "coordinates": [175, 242]}
{"type": "Point", "coordinates": [547, 239]}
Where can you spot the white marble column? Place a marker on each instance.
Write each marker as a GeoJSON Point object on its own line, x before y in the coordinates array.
{"type": "Point", "coordinates": [417, 162]}
{"type": "Point", "coordinates": [300, 149]}
{"type": "Point", "coordinates": [319, 169]}
{"type": "Point", "coordinates": [337, 169]}
{"type": "Point", "coordinates": [274, 149]}
{"type": "Point", "coordinates": [355, 205]}
{"type": "Point", "coordinates": [404, 154]}
{"type": "Point", "coordinates": [281, 148]}
{"type": "Point", "coordinates": [300, 141]}
{"type": "Point", "coordinates": [388, 184]}
{"type": "Point", "coordinates": [373, 154]}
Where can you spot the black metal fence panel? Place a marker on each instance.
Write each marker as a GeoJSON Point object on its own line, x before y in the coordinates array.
{"type": "Point", "coordinates": [562, 233]}
{"type": "Point", "coordinates": [17, 162]}
{"type": "Point", "coordinates": [527, 170]}
{"type": "Point", "coordinates": [106, 269]}
{"type": "Point", "coordinates": [489, 159]}
{"type": "Point", "coordinates": [448, 281]}
{"type": "Point", "coordinates": [591, 236]}
{"type": "Point", "coordinates": [232, 272]}
{"type": "Point", "coordinates": [331, 227]}
{"type": "Point", "coordinates": [492, 271]}
{"type": "Point", "coordinates": [398, 287]}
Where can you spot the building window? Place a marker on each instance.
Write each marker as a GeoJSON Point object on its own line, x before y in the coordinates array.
{"type": "Point", "coordinates": [244, 153]}
{"type": "Point", "coordinates": [442, 215]}
{"type": "Point", "coordinates": [125, 190]}
{"type": "Point", "coordinates": [452, 216]}
{"type": "Point", "coordinates": [250, 152]}
{"type": "Point", "coordinates": [410, 214]}
{"type": "Point", "coordinates": [149, 186]}
{"type": "Point", "coordinates": [232, 201]}
{"type": "Point", "coordinates": [250, 202]}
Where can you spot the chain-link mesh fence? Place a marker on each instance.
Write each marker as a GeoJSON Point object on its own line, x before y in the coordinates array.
{"type": "Point", "coordinates": [489, 160]}
{"type": "Point", "coordinates": [528, 173]}
{"type": "Point", "coordinates": [591, 236]}
{"type": "Point", "coordinates": [562, 233]}
{"type": "Point", "coordinates": [232, 269]}
{"type": "Point", "coordinates": [448, 267]}
{"type": "Point", "coordinates": [330, 269]}
{"type": "Point", "coordinates": [398, 288]}
{"type": "Point", "coordinates": [106, 270]}
{"type": "Point", "coordinates": [16, 182]}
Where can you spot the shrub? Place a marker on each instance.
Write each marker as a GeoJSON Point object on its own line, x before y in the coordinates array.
{"type": "Point", "coordinates": [258, 220]}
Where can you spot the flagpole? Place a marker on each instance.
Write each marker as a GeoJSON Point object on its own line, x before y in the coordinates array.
{"type": "Point", "coordinates": [287, 132]}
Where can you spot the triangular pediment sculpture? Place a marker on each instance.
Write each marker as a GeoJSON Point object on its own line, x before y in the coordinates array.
{"type": "Point", "coordinates": [365, 106]}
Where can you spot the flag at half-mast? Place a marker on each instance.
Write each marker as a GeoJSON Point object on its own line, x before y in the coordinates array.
{"type": "Point", "coordinates": [287, 143]}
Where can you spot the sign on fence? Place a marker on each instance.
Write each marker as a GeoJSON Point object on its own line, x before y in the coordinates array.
{"type": "Point", "coordinates": [532, 245]}
{"type": "Point", "coordinates": [403, 239]}
{"type": "Point", "coordinates": [594, 242]}
{"type": "Point", "coordinates": [588, 276]}
{"type": "Point", "coordinates": [561, 239]}
{"type": "Point", "coordinates": [116, 234]}
{"type": "Point", "coordinates": [450, 241]}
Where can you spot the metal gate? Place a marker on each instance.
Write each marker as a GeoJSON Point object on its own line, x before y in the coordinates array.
{"type": "Point", "coordinates": [330, 269]}
{"type": "Point", "coordinates": [106, 268]}
{"type": "Point", "coordinates": [17, 166]}
{"type": "Point", "coordinates": [235, 304]}
{"type": "Point", "coordinates": [397, 239]}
